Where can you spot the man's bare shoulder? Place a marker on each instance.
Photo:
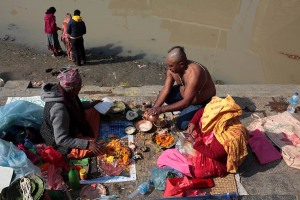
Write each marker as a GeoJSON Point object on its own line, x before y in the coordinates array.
{"type": "Point", "coordinates": [194, 70]}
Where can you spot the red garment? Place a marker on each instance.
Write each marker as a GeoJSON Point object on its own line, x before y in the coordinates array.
{"type": "Point", "coordinates": [211, 159]}
{"type": "Point", "coordinates": [50, 24]}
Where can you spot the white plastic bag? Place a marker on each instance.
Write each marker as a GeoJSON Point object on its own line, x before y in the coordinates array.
{"type": "Point", "coordinates": [11, 156]}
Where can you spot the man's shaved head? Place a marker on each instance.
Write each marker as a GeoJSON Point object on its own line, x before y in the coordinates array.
{"type": "Point", "coordinates": [177, 54]}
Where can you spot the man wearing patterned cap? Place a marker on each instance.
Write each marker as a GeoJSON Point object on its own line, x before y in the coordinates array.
{"type": "Point", "coordinates": [64, 115]}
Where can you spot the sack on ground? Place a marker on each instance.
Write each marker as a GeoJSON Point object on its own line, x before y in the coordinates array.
{"type": "Point", "coordinates": [284, 131]}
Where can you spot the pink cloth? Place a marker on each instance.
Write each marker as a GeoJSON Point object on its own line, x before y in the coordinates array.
{"type": "Point", "coordinates": [173, 158]}
{"type": "Point", "coordinates": [262, 147]}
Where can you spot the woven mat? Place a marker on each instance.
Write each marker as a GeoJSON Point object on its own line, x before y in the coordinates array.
{"type": "Point", "coordinates": [223, 185]}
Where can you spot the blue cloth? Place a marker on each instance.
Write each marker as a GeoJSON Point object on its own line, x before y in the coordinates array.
{"type": "Point", "coordinates": [186, 114]}
{"type": "Point", "coordinates": [76, 29]}
{"type": "Point", "coordinates": [115, 128]}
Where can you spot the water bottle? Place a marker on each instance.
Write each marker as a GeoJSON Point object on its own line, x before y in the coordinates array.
{"type": "Point", "coordinates": [73, 176]}
{"type": "Point", "coordinates": [142, 189]}
{"type": "Point", "coordinates": [28, 144]}
{"type": "Point", "coordinates": [293, 102]}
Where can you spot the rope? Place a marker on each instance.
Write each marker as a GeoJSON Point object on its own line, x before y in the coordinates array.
{"type": "Point", "coordinates": [26, 187]}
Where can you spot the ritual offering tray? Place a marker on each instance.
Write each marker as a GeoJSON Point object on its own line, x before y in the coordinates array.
{"type": "Point", "coordinates": [164, 138]}
{"type": "Point", "coordinates": [143, 125]}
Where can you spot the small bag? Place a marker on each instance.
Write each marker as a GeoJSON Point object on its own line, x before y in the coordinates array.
{"type": "Point", "coordinates": [179, 186]}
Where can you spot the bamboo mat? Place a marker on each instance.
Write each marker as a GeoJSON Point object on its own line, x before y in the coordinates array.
{"type": "Point", "coordinates": [223, 185]}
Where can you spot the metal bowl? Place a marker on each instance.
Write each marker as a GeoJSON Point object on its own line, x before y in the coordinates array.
{"type": "Point", "coordinates": [130, 130]}
{"type": "Point", "coordinates": [143, 125]}
{"type": "Point", "coordinates": [175, 136]}
{"type": "Point", "coordinates": [160, 123]}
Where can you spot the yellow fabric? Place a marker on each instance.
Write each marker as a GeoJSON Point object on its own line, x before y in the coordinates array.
{"type": "Point", "coordinates": [222, 117]}
{"type": "Point", "coordinates": [77, 18]}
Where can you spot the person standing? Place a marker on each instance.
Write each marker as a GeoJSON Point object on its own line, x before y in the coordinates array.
{"type": "Point", "coordinates": [76, 29]}
{"type": "Point", "coordinates": [51, 32]}
{"type": "Point", "coordinates": [65, 37]}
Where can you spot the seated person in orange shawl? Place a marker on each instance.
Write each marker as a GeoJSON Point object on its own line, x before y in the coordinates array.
{"type": "Point", "coordinates": [211, 157]}
{"type": "Point", "coordinates": [66, 124]}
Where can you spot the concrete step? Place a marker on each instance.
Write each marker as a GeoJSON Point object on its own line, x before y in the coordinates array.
{"type": "Point", "coordinates": [150, 92]}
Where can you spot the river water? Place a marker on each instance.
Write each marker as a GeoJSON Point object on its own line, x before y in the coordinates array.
{"type": "Point", "coordinates": [239, 41]}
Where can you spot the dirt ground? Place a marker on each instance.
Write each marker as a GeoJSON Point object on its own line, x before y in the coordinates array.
{"type": "Point", "coordinates": [20, 62]}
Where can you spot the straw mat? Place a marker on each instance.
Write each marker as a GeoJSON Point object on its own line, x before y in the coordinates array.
{"type": "Point", "coordinates": [223, 185]}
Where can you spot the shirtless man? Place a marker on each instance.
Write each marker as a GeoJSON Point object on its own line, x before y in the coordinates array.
{"type": "Point", "coordinates": [194, 88]}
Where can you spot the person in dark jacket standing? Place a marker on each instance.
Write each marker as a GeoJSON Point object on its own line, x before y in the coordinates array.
{"type": "Point", "coordinates": [76, 29]}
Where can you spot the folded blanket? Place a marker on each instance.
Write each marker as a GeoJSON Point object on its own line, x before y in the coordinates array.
{"type": "Point", "coordinates": [262, 147]}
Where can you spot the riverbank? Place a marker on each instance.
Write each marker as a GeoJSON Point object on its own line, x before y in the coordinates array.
{"type": "Point", "coordinates": [20, 62]}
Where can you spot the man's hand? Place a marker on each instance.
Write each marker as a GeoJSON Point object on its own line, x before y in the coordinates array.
{"type": "Point", "coordinates": [94, 147]}
{"type": "Point", "coordinates": [154, 111]}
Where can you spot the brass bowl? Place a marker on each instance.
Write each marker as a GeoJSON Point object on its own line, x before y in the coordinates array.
{"type": "Point", "coordinates": [143, 125]}
{"type": "Point", "coordinates": [151, 118]}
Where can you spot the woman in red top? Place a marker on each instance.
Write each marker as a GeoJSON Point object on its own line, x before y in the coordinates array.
{"type": "Point", "coordinates": [51, 32]}
{"type": "Point", "coordinates": [211, 157]}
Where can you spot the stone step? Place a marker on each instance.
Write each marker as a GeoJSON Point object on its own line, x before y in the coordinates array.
{"type": "Point", "coordinates": [20, 85]}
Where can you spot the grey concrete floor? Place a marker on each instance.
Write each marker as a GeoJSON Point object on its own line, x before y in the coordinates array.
{"type": "Point", "coordinates": [272, 181]}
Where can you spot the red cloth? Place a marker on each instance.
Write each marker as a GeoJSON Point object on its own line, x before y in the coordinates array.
{"type": "Point", "coordinates": [211, 159]}
{"type": "Point", "coordinates": [262, 147]}
{"type": "Point", "coordinates": [179, 186]}
{"type": "Point", "coordinates": [50, 24]}
{"type": "Point", "coordinates": [31, 156]}
{"type": "Point", "coordinates": [54, 157]}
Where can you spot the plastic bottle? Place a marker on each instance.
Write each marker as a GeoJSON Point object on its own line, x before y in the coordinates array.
{"type": "Point", "coordinates": [293, 102]}
{"type": "Point", "coordinates": [28, 144]}
{"type": "Point", "coordinates": [83, 174]}
{"type": "Point", "coordinates": [73, 176]}
{"type": "Point", "coordinates": [142, 189]}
